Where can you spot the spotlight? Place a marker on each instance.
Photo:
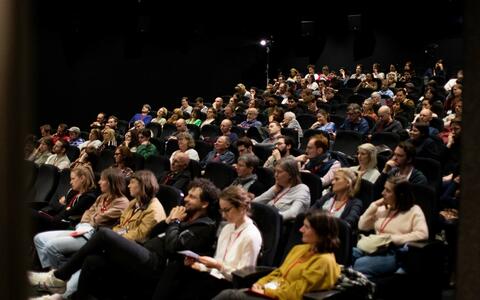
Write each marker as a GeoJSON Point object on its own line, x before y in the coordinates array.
{"type": "Point", "coordinates": [263, 43]}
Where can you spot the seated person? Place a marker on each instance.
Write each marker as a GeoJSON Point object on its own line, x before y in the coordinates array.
{"type": "Point", "coordinates": [142, 116]}
{"type": "Point", "coordinates": [252, 114]}
{"type": "Point", "coordinates": [195, 118]}
{"type": "Point", "coordinates": [290, 121]}
{"type": "Point", "coordinates": [225, 128]}
{"type": "Point", "coordinates": [146, 148]}
{"type": "Point", "coordinates": [354, 120]}
{"type": "Point", "coordinates": [220, 153]}
{"type": "Point", "coordinates": [246, 179]}
{"type": "Point", "coordinates": [425, 144]}
{"type": "Point", "coordinates": [238, 246]}
{"type": "Point", "coordinates": [110, 257]}
{"type": "Point", "coordinates": [75, 139]}
{"type": "Point", "coordinates": [93, 139]}
{"type": "Point", "coordinates": [367, 163]}
{"type": "Point", "coordinates": [179, 175]}
{"type": "Point", "coordinates": [109, 140]}
{"type": "Point", "coordinates": [394, 215]}
{"type": "Point", "coordinates": [401, 164]}
{"type": "Point", "coordinates": [385, 122]}
{"type": "Point", "coordinates": [340, 202]}
{"type": "Point", "coordinates": [274, 132]}
{"type": "Point", "coordinates": [88, 158]}
{"type": "Point", "coordinates": [282, 150]}
{"type": "Point", "coordinates": [61, 134]}
{"type": "Point", "coordinates": [289, 195]}
{"type": "Point", "coordinates": [78, 199]}
{"type": "Point", "coordinates": [322, 124]}
{"type": "Point", "coordinates": [123, 160]}
{"type": "Point", "coordinates": [308, 267]}
{"type": "Point", "coordinates": [59, 157]}
{"type": "Point", "coordinates": [99, 122]}
{"type": "Point", "coordinates": [186, 144]}
{"type": "Point", "coordinates": [42, 152]}
{"type": "Point", "coordinates": [317, 160]}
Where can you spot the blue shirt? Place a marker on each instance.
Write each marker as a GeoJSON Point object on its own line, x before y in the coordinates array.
{"type": "Point", "coordinates": [360, 127]}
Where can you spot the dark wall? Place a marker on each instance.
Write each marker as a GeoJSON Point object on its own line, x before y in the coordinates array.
{"type": "Point", "coordinates": [114, 60]}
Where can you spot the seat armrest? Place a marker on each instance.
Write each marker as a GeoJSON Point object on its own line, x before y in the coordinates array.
{"type": "Point", "coordinates": [247, 276]}
{"type": "Point", "coordinates": [424, 257]}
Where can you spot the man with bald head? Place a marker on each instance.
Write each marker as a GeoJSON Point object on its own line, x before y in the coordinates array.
{"type": "Point", "coordinates": [179, 175]}
{"type": "Point", "coordinates": [252, 114]}
{"type": "Point", "coordinates": [220, 152]}
{"type": "Point", "coordinates": [225, 128]}
{"type": "Point", "coordinates": [426, 116]}
{"type": "Point", "coordinates": [385, 122]}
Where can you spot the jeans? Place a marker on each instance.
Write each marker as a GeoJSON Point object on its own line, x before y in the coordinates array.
{"type": "Point", "coordinates": [232, 294]}
{"type": "Point", "coordinates": [53, 246]}
{"type": "Point", "coordinates": [374, 265]}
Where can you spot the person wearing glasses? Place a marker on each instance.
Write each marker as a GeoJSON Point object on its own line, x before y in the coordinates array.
{"type": "Point", "coordinates": [238, 246]}
{"type": "Point", "coordinates": [123, 160]}
{"type": "Point", "coordinates": [146, 148]}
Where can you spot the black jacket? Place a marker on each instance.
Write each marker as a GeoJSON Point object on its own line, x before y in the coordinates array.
{"type": "Point", "coordinates": [352, 212]}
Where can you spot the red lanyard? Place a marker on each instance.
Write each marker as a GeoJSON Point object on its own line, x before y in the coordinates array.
{"type": "Point", "coordinates": [131, 216]}
{"type": "Point", "coordinates": [72, 202]}
{"type": "Point", "coordinates": [296, 262]}
{"type": "Point", "coordinates": [230, 243]}
{"type": "Point", "coordinates": [105, 205]}
{"type": "Point", "coordinates": [280, 195]}
{"type": "Point", "coordinates": [386, 221]}
{"type": "Point", "coordinates": [332, 209]}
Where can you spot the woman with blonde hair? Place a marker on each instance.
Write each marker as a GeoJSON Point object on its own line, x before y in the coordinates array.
{"type": "Point", "coordinates": [109, 140]}
{"type": "Point", "coordinates": [161, 115]}
{"type": "Point", "coordinates": [341, 201]}
{"type": "Point", "coordinates": [367, 162]}
{"type": "Point", "coordinates": [186, 144]}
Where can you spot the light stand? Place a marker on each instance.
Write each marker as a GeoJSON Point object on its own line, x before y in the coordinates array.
{"type": "Point", "coordinates": [267, 44]}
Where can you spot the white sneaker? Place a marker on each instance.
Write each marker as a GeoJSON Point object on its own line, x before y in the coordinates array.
{"type": "Point", "coordinates": [47, 282]}
{"type": "Point", "coordinates": [48, 297]}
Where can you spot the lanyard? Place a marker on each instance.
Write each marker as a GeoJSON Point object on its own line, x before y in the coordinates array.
{"type": "Point", "coordinates": [280, 195]}
{"type": "Point", "coordinates": [332, 209]}
{"type": "Point", "coordinates": [230, 243]}
{"type": "Point", "coordinates": [131, 216]}
{"type": "Point", "coordinates": [386, 221]}
{"type": "Point", "coordinates": [73, 201]}
{"type": "Point", "coordinates": [296, 262]}
{"type": "Point", "coordinates": [105, 205]}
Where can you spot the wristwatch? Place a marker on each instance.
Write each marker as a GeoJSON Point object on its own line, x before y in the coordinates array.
{"type": "Point", "coordinates": [175, 221]}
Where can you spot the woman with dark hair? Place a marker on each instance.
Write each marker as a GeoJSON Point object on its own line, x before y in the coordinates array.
{"type": "Point", "coordinates": [289, 195]}
{"type": "Point", "coordinates": [238, 246]}
{"type": "Point", "coordinates": [341, 201]}
{"type": "Point", "coordinates": [194, 117]}
{"type": "Point", "coordinates": [454, 97]}
{"type": "Point", "coordinates": [396, 218]}
{"type": "Point", "coordinates": [66, 212]}
{"type": "Point", "coordinates": [308, 267]}
{"type": "Point", "coordinates": [123, 160]}
{"type": "Point", "coordinates": [211, 117]}
{"type": "Point", "coordinates": [131, 140]}
{"type": "Point", "coordinates": [88, 158]}
{"type": "Point", "coordinates": [425, 144]}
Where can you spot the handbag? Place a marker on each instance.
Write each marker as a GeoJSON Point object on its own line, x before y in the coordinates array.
{"type": "Point", "coordinates": [374, 243]}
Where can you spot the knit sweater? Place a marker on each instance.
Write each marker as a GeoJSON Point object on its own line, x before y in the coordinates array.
{"type": "Point", "coordinates": [404, 227]}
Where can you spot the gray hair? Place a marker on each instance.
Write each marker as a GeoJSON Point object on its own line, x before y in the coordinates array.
{"type": "Point", "coordinates": [372, 154]}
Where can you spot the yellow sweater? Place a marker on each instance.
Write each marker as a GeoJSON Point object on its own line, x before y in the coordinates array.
{"type": "Point", "coordinates": [301, 274]}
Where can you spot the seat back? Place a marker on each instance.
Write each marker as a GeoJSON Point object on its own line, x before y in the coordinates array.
{"type": "Point", "coordinates": [263, 151]}
{"type": "Point", "coordinates": [195, 168]}
{"type": "Point", "coordinates": [365, 193]}
{"type": "Point", "coordinates": [45, 183]}
{"type": "Point", "coordinates": [222, 175]}
{"type": "Point", "coordinates": [167, 130]}
{"type": "Point", "coordinates": [105, 160]}
{"type": "Point", "coordinates": [391, 139]}
{"type": "Point", "coordinates": [306, 120]}
{"type": "Point", "coordinates": [269, 222]}
{"type": "Point", "coordinates": [194, 131]}
{"type": "Point", "coordinates": [122, 126]}
{"type": "Point", "coordinates": [203, 148]}
{"type": "Point", "coordinates": [169, 197]}
{"type": "Point", "coordinates": [158, 164]}
{"type": "Point", "coordinates": [265, 176]}
{"type": "Point", "coordinates": [30, 171]}
{"type": "Point", "coordinates": [314, 183]}
{"type": "Point", "coordinates": [293, 133]}
{"type": "Point", "coordinates": [73, 153]}
{"type": "Point", "coordinates": [156, 128]}
{"type": "Point", "coordinates": [255, 134]}
{"type": "Point", "coordinates": [137, 161]}
{"type": "Point", "coordinates": [210, 132]}
{"type": "Point", "coordinates": [347, 141]}
{"type": "Point", "coordinates": [431, 169]}
{"type": "Point", "coordinates": [61, 189]}
{"type": "Point", "coordinates": [425, 197]}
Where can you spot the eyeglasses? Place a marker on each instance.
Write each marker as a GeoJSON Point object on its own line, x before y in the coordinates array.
{"type": "Point", "coordinates": [117, 153]}
{"type": "Point", "coordinates": [225, 210]}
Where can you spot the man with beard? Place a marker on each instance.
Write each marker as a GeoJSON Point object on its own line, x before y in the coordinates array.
{"type": "Point", "coordinates": [282, 149]}
{"type": "Point", "coordinates": [385, 122]}
{"type": "Point", "coordinates": [112, 264]}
